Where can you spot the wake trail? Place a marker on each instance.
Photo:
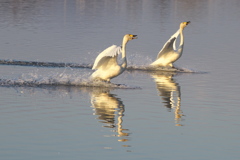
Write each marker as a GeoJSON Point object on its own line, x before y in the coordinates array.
{"type": "Point", "coordinates": [145, 68]}
{"type": "Point", "coordinates": [44, 64]}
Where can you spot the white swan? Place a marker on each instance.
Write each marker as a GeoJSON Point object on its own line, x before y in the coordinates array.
{"type": "Point", "coordinates": [169, 53]}
{"type": "Point", "coordinates": [106, 64]}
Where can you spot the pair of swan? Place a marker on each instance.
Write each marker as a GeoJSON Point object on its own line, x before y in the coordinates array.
{"type": "Point", "coordinates": [107, 67]}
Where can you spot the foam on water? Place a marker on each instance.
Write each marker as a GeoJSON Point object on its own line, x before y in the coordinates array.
{"type": "Point", "coordinates": [59, 79]}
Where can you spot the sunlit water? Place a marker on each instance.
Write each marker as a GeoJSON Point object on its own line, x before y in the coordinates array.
{"type": "Point", "coordinates": [50, 110]}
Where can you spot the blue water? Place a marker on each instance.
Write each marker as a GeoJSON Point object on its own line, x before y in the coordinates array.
{"type": "Point", "coordinates": [55, 112]}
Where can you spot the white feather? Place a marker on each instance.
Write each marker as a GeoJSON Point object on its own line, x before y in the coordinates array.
{"type": "Point", "coordinates": [110, 53]}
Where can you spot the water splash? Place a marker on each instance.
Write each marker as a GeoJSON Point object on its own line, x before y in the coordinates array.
{"type": "Point", "coordinates": [161, 69]}
{"type": "Point", "coordinates": [59, 79]}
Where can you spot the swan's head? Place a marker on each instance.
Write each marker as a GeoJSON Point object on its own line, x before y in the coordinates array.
{"type": "Point", "coordinates": [129, 37]}
{"type": "Point", "coordinates": [184, 24]}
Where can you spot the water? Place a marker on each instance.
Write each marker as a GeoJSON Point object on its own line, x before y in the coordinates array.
{"type": "Point", "coordinates": [47, 113]}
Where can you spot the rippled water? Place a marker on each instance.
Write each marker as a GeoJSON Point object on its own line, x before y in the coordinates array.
{"type": "Point", "coordinates": [50, 111]}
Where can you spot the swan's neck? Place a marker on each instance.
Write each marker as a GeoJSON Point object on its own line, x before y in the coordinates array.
{"type": "Point", "coordinates": [180, 48]}
{"type": "Point", "coordinates": [124, 63]}
{"type": "Point", "coordinates": [181, 37]}
{"type": "Point", "coordinates": [124, 43]}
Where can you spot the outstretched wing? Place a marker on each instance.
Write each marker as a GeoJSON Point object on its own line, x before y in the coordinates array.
{"type": "Point", "coordinates": [169, 45]}
{"type": "Point", "coordinates": [108, 55]}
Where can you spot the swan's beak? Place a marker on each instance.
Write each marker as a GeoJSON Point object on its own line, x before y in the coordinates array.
{"type": "Point", "coordinates": [134, 36]}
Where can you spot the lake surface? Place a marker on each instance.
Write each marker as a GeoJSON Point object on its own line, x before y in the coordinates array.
{"type": "Point", "coordinates": [53, 112]}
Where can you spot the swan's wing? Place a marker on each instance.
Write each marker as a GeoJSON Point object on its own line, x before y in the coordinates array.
{"type": "Point", "coordinates": [109, 54]}
{"type": "Point", "coordinates": [170, 45]}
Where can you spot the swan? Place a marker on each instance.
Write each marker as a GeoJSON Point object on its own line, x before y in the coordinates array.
{"type": "Point", "coordinates": [106, 64]}
{"type": "Point", "coordinates": [169, 53]}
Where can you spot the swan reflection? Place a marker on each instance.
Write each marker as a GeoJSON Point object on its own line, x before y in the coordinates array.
{"type": "Point", "coordinates": [110, 111]}
{"type": "Point", "coordinates": [170, 93]}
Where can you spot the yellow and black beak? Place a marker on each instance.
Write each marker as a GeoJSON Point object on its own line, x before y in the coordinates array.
{"type": "Point", "coordinates": [188, 22]}
{"type": "Point", "coordinates": [134, 36]}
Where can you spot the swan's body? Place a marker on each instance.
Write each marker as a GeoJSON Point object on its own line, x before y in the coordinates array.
{"type": "Point", "coordinates": [169, 53]}
{"type": "Point", "coordinates": [106, 64]}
